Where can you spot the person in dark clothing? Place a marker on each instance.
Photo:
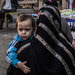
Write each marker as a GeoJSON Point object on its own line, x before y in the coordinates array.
{"type": "Point", "coordinates": [6, 8]}
{"type": "Point", "coordinates": [48, 53]}
{"type": "Point", "coordinates": [26, 28]}
{"type": "Point", "coordinates": [54, 51]}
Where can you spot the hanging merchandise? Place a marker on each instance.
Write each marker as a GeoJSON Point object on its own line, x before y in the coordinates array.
{"type": "Point", "coordinates": [70, 4]}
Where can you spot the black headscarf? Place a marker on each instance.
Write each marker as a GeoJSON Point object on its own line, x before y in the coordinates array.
{"type": "Point", "coordinates": [51, 2]}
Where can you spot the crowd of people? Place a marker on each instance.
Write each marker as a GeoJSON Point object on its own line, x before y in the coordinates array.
{"type": "Point", "coordinates": [43, 47]}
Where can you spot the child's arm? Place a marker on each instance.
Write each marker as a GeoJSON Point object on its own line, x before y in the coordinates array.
{"type": "Point", "coordinates": [11, 55]}
{"type": "Point", "coordinates": [23, 67]}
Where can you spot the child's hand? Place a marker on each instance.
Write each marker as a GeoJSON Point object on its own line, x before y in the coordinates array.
{"type": "Point", "coordinates": [24, 68]}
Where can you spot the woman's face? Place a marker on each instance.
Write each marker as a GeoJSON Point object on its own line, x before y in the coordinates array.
{"type": "Point", "coordinates": [25, 29]}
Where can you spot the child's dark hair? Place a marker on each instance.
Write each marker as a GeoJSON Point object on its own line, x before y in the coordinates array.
{"type": "Point", "coordinates": [24, 17]}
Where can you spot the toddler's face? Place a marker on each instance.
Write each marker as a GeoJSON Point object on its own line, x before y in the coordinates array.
{"type": "Point", "coordinates": [25, 29]}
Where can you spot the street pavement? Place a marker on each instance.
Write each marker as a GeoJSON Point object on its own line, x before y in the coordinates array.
{"type": "Point", "coordinates": [5, 38]}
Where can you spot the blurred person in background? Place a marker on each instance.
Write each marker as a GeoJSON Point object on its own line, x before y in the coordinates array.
{"type": "Point", "coordinates": [6, 8]}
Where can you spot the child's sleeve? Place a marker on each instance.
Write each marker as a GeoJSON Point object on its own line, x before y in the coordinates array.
{"type": "Point", "coordinates": [11, 55]}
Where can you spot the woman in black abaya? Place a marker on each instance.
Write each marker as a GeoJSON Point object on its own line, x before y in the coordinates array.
{"type": "Point", "coordinates": [49, 52]}
{"type": "Point", "coordinates": [55, 54]}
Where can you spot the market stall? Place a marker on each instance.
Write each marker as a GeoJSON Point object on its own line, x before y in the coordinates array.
{"type": "Point", "coordinates": [69, 15]}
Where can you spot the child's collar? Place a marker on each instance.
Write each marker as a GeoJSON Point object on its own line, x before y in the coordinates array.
{"type": "Point", "coordinates": [16, 37]}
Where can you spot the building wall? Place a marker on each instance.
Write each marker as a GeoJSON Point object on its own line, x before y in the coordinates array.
{"type": "Point", "coordinates": [64, 4]}
{"type": "Point", "coordinates": [40, 3]}
{"type": "Point", "coordinates": [0, 4]}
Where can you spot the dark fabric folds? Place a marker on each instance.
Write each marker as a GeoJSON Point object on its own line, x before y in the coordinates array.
{"type": "Point", "coordinates": [49, 52]}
